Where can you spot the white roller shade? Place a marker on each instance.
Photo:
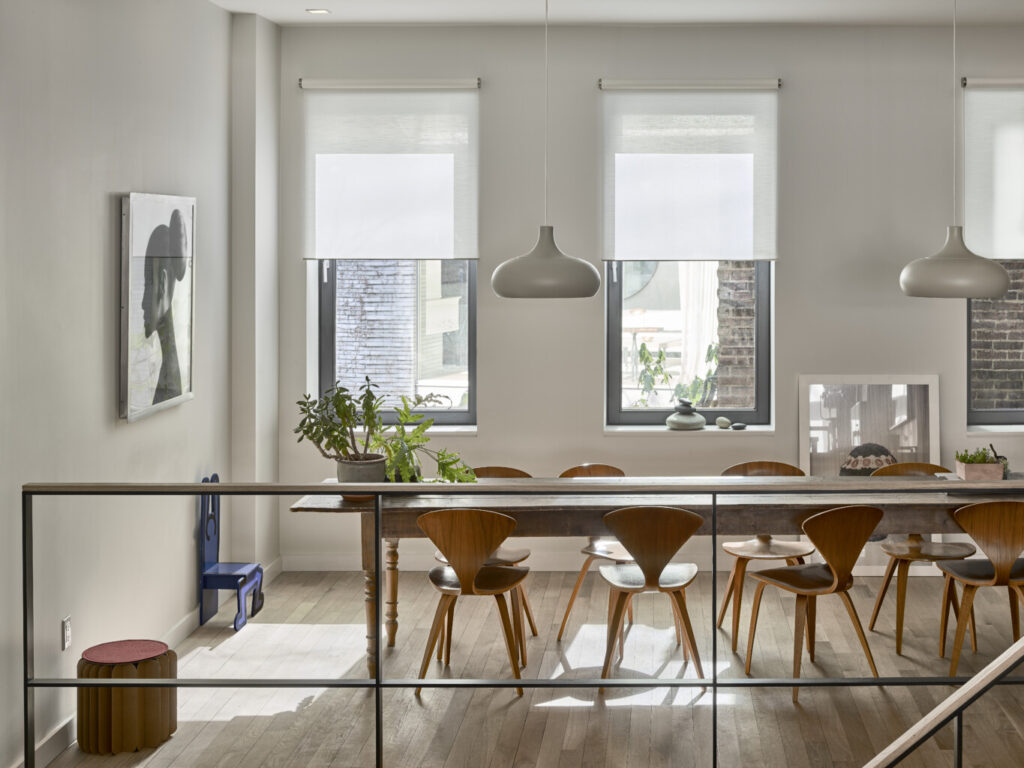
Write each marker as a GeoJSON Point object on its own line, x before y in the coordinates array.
{"type": "Point", "coordinates": [994, 170]}
{"type": "Point", "coordinates": [690, 174]}
{"type": "Point", "coordinates": [391, 174]}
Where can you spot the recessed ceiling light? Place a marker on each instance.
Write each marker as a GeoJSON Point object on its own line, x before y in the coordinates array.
{"type": "Point", "coordinates": [319, 11]}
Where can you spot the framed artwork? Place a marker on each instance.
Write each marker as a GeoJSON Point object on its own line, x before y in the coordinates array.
{"type": "Point", "coordinates": [157, 306]}
{"type": "Point", "coordinates": [851, 425]}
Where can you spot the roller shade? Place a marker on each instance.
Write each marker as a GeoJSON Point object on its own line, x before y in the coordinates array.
{"type": "Point", "coordinates": [690, 174]}
{"type": "Point", "coordinates": [994, 169]}
{"type": "Point", "coordinates": [391, 174]}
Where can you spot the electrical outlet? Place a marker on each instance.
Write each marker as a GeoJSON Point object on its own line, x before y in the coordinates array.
{"type": "Point", "coordinates": [65, 633]}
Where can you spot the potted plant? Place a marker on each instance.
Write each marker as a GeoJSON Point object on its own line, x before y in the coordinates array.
{"type": "Point", "coordinates": [980, 465]}
{"type": "Point", "coordinates": [348, 428]}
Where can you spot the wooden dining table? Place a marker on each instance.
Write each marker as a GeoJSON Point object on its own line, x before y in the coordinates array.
{"type": "Point", "coordinates": [575, 507]}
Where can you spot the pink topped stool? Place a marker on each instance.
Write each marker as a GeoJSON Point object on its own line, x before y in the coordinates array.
{"type": "Point", "coordinates": [113, 720]}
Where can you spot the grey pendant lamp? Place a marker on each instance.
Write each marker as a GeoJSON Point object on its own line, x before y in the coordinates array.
{"type": "Point", "coordinates": [955, 272]}
{"type": "Point", "coordinates": [546, 272]}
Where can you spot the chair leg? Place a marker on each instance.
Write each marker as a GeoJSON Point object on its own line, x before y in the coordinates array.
{"type": "Point", "coordinates": [448, 632]}
{"type": "Point", "coordinates": [728, 594]}
{"type": "Point", "coordinates": [966, 606]}
{"type": "Point", "coordinates": [517, 624]}
{"type": "Point", "coordinates": [257, 593]}
{"type": "Point", "coordinates": [955, 604]}
{"type": "Point", "coordinates": [684, 619]}
{"type": "Point", "coordinates": [753, 622]}
{"type": "Point", "coordinates": [618, 611]}
{"type": "Point", "coordinates": [812, 605]}
{"type": "Point", "coordinates": [435, 630]}
{"type": "Point", "coordinates": [1014, 613]}
{"type": "Point", "coordinates": [855, 620]}
{"type": "Point", "coordinates": [902, 572]}
{"type": "Point", "coordinates": [798, 639]}
{"type": "Point", "coordinates": [889, 570]}
{"type": "Point", "coordinates": [948, 601]}
{"type": "Point", "coordinates": [575, 591]}
{"type": "Point", "coordinates": [737, 598]}
{"type": "Point", "coordinates": [675, 622]}
{"type": "Point", "coordinates": [622, 626]}
{"type": "Point", "coordinates": [528, 610]}
{"type": "Point", "coordinates": [510, 642]}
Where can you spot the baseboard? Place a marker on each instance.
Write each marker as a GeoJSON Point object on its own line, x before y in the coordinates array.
{"type": "Point", "coordinates": [53, 743]}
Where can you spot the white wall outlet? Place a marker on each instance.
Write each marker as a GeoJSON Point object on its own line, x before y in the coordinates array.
{"type": "Point", "coordinates": [65, 633]}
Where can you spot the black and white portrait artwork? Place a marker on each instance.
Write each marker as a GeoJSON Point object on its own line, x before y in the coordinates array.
{"type": "Point", "coordinates": [158, 250]}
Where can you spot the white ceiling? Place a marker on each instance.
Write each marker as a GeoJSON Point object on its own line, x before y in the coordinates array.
{"type": "Point", "coordinates": [633, 11]}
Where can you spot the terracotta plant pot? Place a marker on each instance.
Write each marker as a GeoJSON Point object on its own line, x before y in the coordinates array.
{"type": "Point", "coordinates": [980, 473]}
{"type": "Point", "coordinates": [372, 469]}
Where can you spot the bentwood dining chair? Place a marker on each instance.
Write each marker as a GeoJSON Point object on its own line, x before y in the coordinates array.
{"type": "Point", "coordinates": [651, 536]}
{"type": "Point", "coordinates": [597, 548]}
{"type": "Point", "coordinates": [997, 527]}
{"type": "Point", "coordinates": [761, 547]}
{"type": "Point", "coordinates": [916, 549]}
{"type": "Point", "coordinates": [501, 556]}
{"type": "Point", "coordinates": [467, 537]}
{"type": "Point", "coordinates": [839, 535]}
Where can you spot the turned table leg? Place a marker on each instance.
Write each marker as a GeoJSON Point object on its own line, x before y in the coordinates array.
{"type": "Point", "coordinates": [368, 543]}
{"type": "Point", "coordinates": [391, 589]}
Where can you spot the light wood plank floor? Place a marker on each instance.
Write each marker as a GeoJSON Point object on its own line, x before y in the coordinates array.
{"type": "Point", "coordinates": [312, 627]}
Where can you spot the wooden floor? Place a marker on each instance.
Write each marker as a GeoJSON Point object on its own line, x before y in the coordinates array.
{"type": "Point", "coordinates": [312, 627]}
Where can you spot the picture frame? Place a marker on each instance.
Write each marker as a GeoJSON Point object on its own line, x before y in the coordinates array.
{"type": "Point", "coordinates": [157, 302]}
{"type": "Point", "coordinates": [841, 415]}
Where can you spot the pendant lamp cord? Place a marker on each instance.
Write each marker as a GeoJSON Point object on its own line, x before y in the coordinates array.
{"type": "Point", "coordinates": [546, 109]}
{"type": "Point", "coordinates": [956, 165]}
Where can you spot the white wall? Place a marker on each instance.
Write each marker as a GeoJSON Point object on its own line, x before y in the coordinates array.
{"type": "Point", "coordinates": [100, 99]}
{"type": "Point", "coordinates": [865, 186]}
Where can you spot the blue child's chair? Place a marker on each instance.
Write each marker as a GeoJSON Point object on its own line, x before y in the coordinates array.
{"type": "Point", "coordinates": [243, 578]}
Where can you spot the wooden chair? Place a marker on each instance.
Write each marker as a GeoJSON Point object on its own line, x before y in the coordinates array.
{"type": "Point", "coordinates": [997, 527]}
{"type": "Point", "coordinates": [467, 537]}
{"type": "Point", "coordinates": [501, 556]}
{"type": "Point", "coordinates": [762, 547]}
{"type": "Point", "coordinates": [242, 578]}
{"type": "Point", "coordinates": [597, 548]}
{"type": "Point", "coordinates": [839, 534]}
{"type": "Point", "coordinates": [651, 536]}
{"type": "Point", "coordinates": [915, 549]}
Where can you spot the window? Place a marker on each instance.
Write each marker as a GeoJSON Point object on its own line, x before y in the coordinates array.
{"type": "Point", "coordinates": [690, 179]}
{"type": "Point", "coordinates": [393, 223]}
{"type": "Point", "coordinates": [993, 201]}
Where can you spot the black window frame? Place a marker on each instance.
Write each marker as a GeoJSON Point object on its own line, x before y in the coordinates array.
{"type": "Point", "coordinates": [327, 364]}
{"type": "Point", "coordinates": [983, 417]}
{"type": "Point", "coordinates": [616, 415]}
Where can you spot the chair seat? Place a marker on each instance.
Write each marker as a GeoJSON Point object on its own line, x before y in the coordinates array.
{"type": "Point", "coordinates": [500, 556]}
{"type": "Point", "coordinates": [980, 571]}
{"type": "Point", "coordinates": [767, 548]}
{"type": "Point", "coordinates": [629, 578]}
{"type": "Point", "coordinates": [813, 579]}
{"type": "Point", "coordinates": [927, 551]}
{"type": "Point", "coordinates": [608, 549]}
{"type": "Point", "coordinates": [226, 575]}
{"type": "Point", "coordinates": [491, 580]}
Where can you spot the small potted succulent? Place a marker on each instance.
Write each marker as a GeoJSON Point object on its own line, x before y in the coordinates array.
{"type": "Point", "coordinates": [348, 428]}
{"type": "Point", "coordinates": [980, 465]}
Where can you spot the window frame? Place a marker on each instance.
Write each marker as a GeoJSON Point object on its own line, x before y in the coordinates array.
{"type": "Point", "coordinates": [616, 415]}
{"type": "Point", "coordinates": [327, 353]}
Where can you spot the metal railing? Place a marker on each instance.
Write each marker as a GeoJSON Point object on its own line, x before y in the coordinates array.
{"type": "Point", "coordinates": [708, 487]}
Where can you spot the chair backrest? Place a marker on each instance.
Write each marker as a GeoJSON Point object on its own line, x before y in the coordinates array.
{"type": "Point", "coordinates": [652, 535]}
{"type": "Point", "coordinates": [499, 472]}
{"type": "Point", "coordinates": [593, 470]}
{"type": "Point", "coordinates": [466, 537]}
{"type": "Point", "coordinates": [763, 468]}
{"type": "Point", "coordinates": [909, 469]}
{"type": "Point", "coordinates": [840, 534]}
{"type": "Point", "coordinates": [209, 525]}
{"type": "Point", "coordinates": [998, 529]}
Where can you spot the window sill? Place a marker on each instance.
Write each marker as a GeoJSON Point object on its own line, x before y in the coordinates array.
{"type": "Point", "coordinates": [459, 430]}
{"type": "Point", "coordinates": [655, 430]}
{"type": "Point", "coordinates": [995, 429]}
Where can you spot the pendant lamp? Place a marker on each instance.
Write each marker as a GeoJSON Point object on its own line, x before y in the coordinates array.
{"type": "Point", "coordinates": [955, 272]}
{"type": "Point", "coordinates": [546, 272]}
